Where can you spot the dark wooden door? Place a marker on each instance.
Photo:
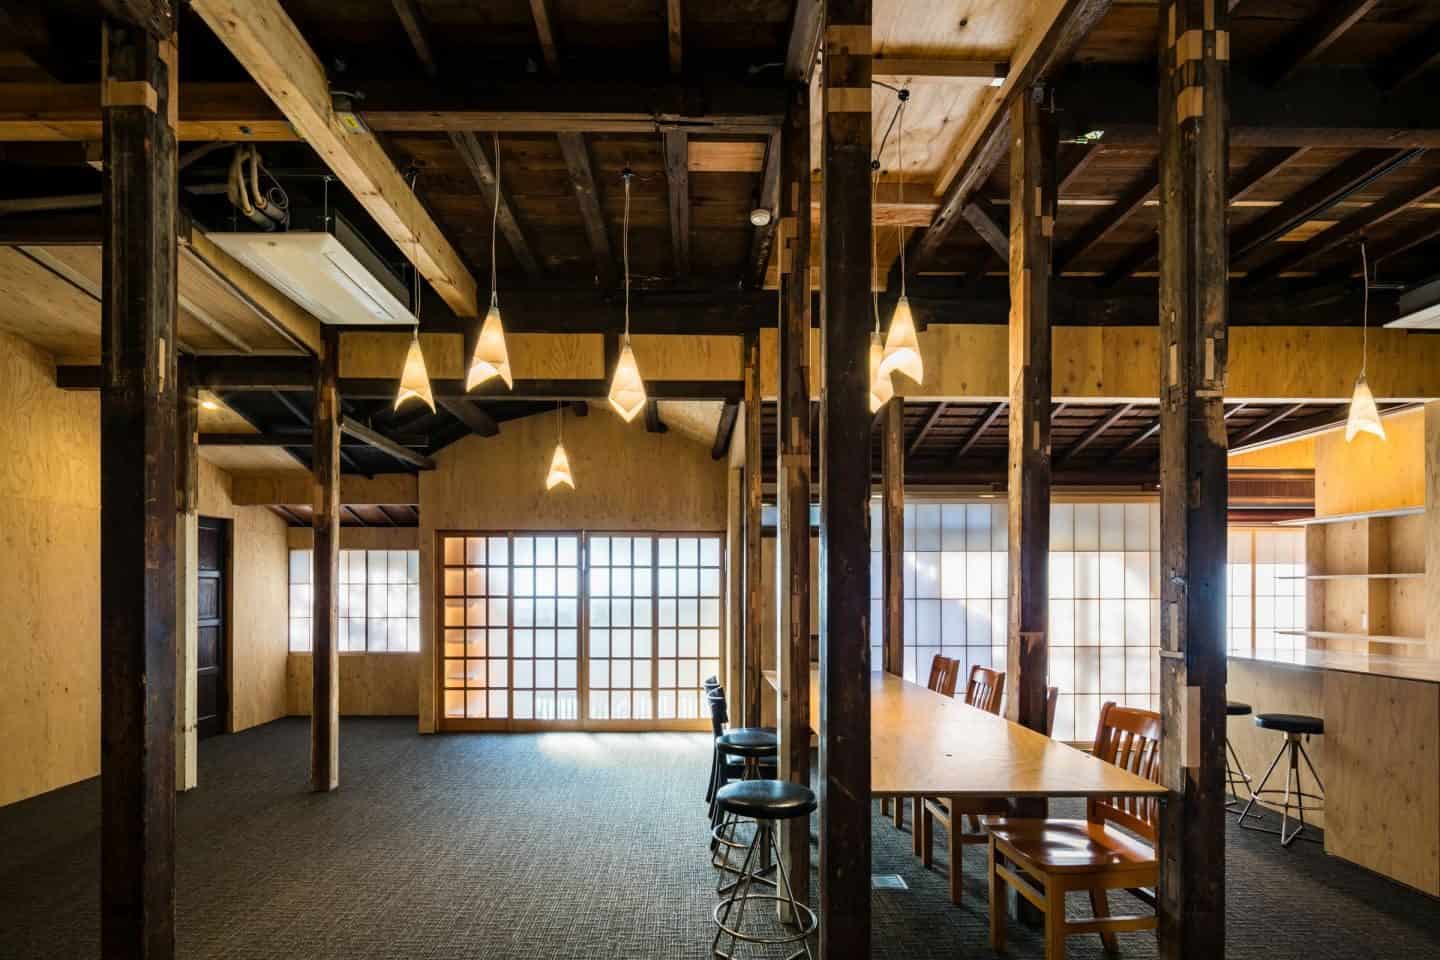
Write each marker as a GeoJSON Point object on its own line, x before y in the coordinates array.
{"type": "Point", "coordinates": [211, 686]}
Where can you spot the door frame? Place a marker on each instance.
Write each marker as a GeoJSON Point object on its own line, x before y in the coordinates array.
{"type": "Point", "coordinates": [225, 690]}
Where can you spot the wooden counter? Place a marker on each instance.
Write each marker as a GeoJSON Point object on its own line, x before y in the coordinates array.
{"type": "Point", "coordinates": [1379, 756]}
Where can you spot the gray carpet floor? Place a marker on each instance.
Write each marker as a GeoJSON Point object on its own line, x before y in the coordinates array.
{"type": "Point", "coordinates": [556, 845]}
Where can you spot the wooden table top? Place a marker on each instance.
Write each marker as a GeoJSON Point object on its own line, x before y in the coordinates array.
{"type": "Point", "coordinates": [922, 742]}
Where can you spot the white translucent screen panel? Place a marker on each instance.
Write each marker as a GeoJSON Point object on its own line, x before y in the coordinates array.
{"type": "Point", "coordinates": [621, 639]}
{"type": "Point", "coordinates": [475, 625]}
{"type": "Point", "coordinates": [688, 576]}
{"type": "Point", "coordinates": [545, 636]}
{"type": "Point", "coordinates": [1279, 590]}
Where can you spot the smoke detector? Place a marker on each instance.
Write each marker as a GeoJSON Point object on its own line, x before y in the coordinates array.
{"type": "Point", "coordinates": [760, 217]}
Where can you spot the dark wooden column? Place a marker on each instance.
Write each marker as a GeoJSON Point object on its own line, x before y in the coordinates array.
{"type": "Point", "coordinates": [137, 493]}
{"type": "Point", "coordinates": [754, 641]}
{"type": "Point", "coordinates": [792, 545]}
{"type": "Point", "coordinates": [1194, 147]}
{"type": "Point", "coordinates": [1032, 226]}
{"type": "Point", "coordinates": [892, 554]}
{"type": "Point", "coordinates": [325, 655]}
{"type": "Point", "coordinates": [845, 484]}
{"type": "Point", "coordinates": [892, 541]}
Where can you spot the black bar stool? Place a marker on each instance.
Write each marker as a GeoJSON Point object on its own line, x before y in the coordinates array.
{"type": "Point", "coordinates": [752, 746]}
{"type": "Point", "coordinates": [1235, 773]}
{"type": "Point", "coordinates": [765, 802]}
{"type": "Point", "coordinates": [1294, 726]}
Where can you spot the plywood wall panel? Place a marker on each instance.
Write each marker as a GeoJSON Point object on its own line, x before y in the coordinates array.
{"type": "Point", "coordinates": [1369, 473]}
{"type": "Point", "coordinates": [1275, 689]}
{"type": "Point", "coordinates": [371, 684]}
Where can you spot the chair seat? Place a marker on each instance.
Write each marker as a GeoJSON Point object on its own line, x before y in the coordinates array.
{"type": "Point", "coordinates": [766, 799]}
{"type": "Point", "coordinates": [749, 742]}
{"type": "Point", "coordinates": [1070, 846]}
{"type": "Point", "coordinates": [1290, 722]}
{"type": "Point", "coordinates": [1234, 708]}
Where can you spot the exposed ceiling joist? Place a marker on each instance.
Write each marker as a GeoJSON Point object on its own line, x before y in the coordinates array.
{"type": "Point", "coordinates": [1100, 226]}
{"type": "Point", "coordinates": [269, 45]}
{"type": "Point", "coordinates": [764, 238]}
{"type": "Point", "coordinates": [582, 180]}
{"type": "Point", "coordinates": [729, 413]}
{"type": "Point", "coordinates": [674, 31]}
{"type": "Point", "coordinates": [1283, 414]}
{"type": "Point", "coordinates": [1316, 35]}
{"type": "Point", "coordinates": [922, 69]}
{"type": "Point", "coordinates": [926, 427]}
{"type": "Point", "coordinates": [1095, 432]}
{"type": "Point", "coordinates": [1298, 429]}
{"type": "Point", "coordinates": [1420, 53]}
{"type": "Point", "coordinates": [413, 21]}
{"type": "Point", "coordinates": [677, 178]}
{"type": "Point", "coordinates": [471, 414]}
{"type": "Point", "coordinates": [467, 144]}
{"type": "Point", "coordinates": [1039, 54]}
{"type": "Point", "coordinates": [545, 33]}
{"type": "Point", "coordinates": [653, 423]}
{"type": "Point", "coordinates": [990, 415]}
{"type": "Point", "coordinates": [384, 444]}
{"type": "Point", "coordinates": [991, 226]}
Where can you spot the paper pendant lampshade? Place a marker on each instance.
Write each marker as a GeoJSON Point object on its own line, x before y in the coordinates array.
{"type": "Point", "coordinates": [902, 345]}
{"type": "Point", "coordinates": [627, 392]}
{"type": "Point", "coordinates": [414, 381]}
{"type": "Point", "coordinates": [490, 358]}
{"type": "Point", "coordinates": [1364, 415]}
{"type": "Point", "coordinates": [559, 470]}
{"type": "Point", "coordinates": [881, 389]}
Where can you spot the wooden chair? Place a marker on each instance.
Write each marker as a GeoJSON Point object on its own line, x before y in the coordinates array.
{"type": "Point", "coordinates": [944, 673]}
{"type": "Point", "coordinates": [1089, 854]}
{"type": "Point", "coordinates": [983, 690]}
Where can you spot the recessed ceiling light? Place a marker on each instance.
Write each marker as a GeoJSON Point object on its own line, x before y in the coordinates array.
{"type": "Point", "coordinates": [208, 404]}
{"type": "Point", "coordinates": [760, 217]}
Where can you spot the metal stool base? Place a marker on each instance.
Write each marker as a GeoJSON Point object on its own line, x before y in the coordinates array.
{"type": "Point", "coordinates": [720, 859]}
{"type": "Point", "coordinates": [1235, 775]}
{"type": "Point", "coordinates": [803, 918]}
{"type": "Point", "coordinates": [1296, 751]}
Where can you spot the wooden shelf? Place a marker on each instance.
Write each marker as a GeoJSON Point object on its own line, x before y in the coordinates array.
{"type": "Point", "coordinates": [1368, 637]}
{"type": "Point", "coordinates": [1358, 576]}
{"type": "Point", "coordinates": [1346, 517]}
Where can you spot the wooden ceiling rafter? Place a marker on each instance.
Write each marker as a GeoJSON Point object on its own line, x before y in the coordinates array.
{"type": "Point", "coordinates": [470, 413]}
{"type": "Point", "coordinates": [1316, 35]}
{"type": "Point", "coordinates": [729, 413]}
{"type": "Point", "coordinates": [1417, 55]}
{"type": "Point", "coordinates": [677, 179]}
{"type": "Point", "coordinates": [1141, 189]}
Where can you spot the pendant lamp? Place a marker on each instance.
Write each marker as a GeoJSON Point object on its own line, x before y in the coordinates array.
{"type": "Point", "coordinates": [414, 381]}
{"type": "Point", "coordinates": [490, 358]}
{"type": "Point", "coordinates": [881, 389]}
{"type": "Point", "coordinates": [1364, 415]}
{"type": "Point", "coordinates": [627, 390]}
{"type": "Point", "coordinates": [560, 463]}
{"type": "Point", "coordinates": [902, 344]}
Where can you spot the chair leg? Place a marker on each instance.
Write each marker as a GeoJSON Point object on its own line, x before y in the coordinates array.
{"type": "Point", "coordinates": [1101, 906]}
{"type": "Point", "coordinates": [1054, 920]}
{"type": "Point", "coordinates": [899, 813]}
{"type": "Point", "coordinates": [925, 835]}
{"type": "Point", "coordinates": [919, 805]}
{"type": "Point", "coordinates": [997, 900]}
{"type": "Point", "coordinates": [884, 806]}
{"type": "Point", "coordinates": [957, 857]}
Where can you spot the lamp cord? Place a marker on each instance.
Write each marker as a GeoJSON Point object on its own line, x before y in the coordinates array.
{"type": "Point", "coordinates": [1364, 310]}
{"type": "Point", "coordinates": [625, 250]}
{"type": "Point", "coordinates": [494, 218]}
{"type": "Point", "coordinates": [900, 165]}
{"type": "Point", "coordinates": [414, 270]}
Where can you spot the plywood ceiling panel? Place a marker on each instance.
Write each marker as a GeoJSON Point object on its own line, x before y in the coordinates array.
{"type": "Point", "coordinates": [252, 459]}
{"type": "Point", "coordinates": [47, 310]}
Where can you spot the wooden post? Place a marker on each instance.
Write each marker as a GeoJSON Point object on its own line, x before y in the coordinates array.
{"type": "Point", "coordinates": [754, 611]}
{"type": "Point", "coordinates": [892, 558]}
{"type": "Point", "coordinates": [1194, 149]}
{"type": "Point", "coordinates": [845, 307]}
{"type": "Point", "coordinates": [187, 563]}
{"type": "Point", "coordinates": [1032, 227]}
{"type": "Point", "coordinates": [137, 493]}
{"type": "Point", "coordinates": [735, 578]}
{"type": "Point", "coordinates": [792, 545]}
{"type": "Point", "coordinates": [325, 656]}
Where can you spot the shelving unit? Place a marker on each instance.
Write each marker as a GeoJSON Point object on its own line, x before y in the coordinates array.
{"type": "Point", "coordinates": [1365, 590]}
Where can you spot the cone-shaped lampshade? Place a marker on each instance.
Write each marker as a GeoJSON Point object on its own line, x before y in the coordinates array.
{"type": "Point", "coordinates": [559, 470]}
{"type": "Point", "coordinates": [1364, 416]}
{"type": "Point", "coordinates": [414, 381]}
{"type": "Point", "coordinates": [902, 346]}
{"type": "Point", "coordinates": [627, 393]}
{"type": "Point", "coordinates": [881, 389]}
{"type": "Point", "coordinates": [490, 358]}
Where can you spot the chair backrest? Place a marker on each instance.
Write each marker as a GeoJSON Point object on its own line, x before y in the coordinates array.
{"type": "Point", "coordinates": [1052, 700]}
{"type": "Point", "coordinates": [939, 666]}
{"type": "Point", "coordinates": [718, 714]}
{"type": "Point", "coordinates": [1130, 739]}
{"type": "Point", "coordinates": [949, 678]}
{"type": "Point", "coordinates": [985, 688]}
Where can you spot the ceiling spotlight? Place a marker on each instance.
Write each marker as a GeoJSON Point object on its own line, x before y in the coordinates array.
{"type": "Point", "coordinates": [760, 217]}
{"type": "Point", "coordinates": [208, 404]}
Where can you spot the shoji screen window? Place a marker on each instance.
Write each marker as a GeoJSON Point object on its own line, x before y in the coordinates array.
{"type": "Point", "coordinates": [689, 585]}
{"type": "Point", "coordinates": [1265, 590]}
{"type": "Point", "coordinates": [545, 588]}
{"type": "Point", "coordinates": [475, 618]}
{"type": "Point", "coordinates": [1104, 610]}
{"type": "Point", "coordinates": [1240, 590]}
{"type": "Point", "coordinates": [621, 627]}
{"type": "Point", "coordinates": [378, 601]}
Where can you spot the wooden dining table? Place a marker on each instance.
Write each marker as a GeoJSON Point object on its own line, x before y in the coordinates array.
{"type": "Point", "coordinates": [924, 743]}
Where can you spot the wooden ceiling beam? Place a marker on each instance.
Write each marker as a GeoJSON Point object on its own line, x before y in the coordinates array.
{"type": "Point", "coordinates": [653, 423]}
{"type": "Point", "coordinates": [1313, 37]}
{"type": "Point", "coordinates": [545, 33]}
{"type": "Point", "coordinates": [1038, 55]}
{"type": "Point", "coordinates": [674, 30]}
{"type": "Point", "coordinates": [1298, 429]}
{"type": "Point", "coordinates": [763, 239]}
{"type": "Point", "coordinates": [1350, 228]}
{"type": "Point", "coordinates": [1100, 226]}
{"type": "Point", "coordinates": [987, 418]}
{"type": "Point", "coordinates": [413, 21]}
{"type": "Point", "coordinates": [729, 413]}
{"type": "Point", "coordinates": [677, 177]}
{"type": "Point", "coordinates": [1265, 424]}
{"type": "Point", "coordinates": [71, 111]}
{"type": "Point", "coordinates": [467, 144]}
{"type": "Point", "coordinates": [1135, 441]}
{"type": "Point", "coordinates": [926, 427]}
{"type": "Point", "coordinates": [471, 414]}
{"type": "Point", "coordinates": [991, 226]}
{"type": "Point", "coordinates": [1420, 53]}
{"type": "Point", "coordinates": [1351, 176]}
{"type": "Point", "coordinates": [803, 47]}
{"type": "Point", "coordinates": [1075, 159]}
{"type": "Point", "coordinates": [268, 44]}
{"type": "Point", "coordinates": [920, 69]}
{"type": "Point", "coordinates": [1094, 433]}
{"type": "Point", "coordinates": [582, 180]}
{"type": "Point", "coordinates": [548, 390]}
{"type": "Point", "coordinates": [384, 444]}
